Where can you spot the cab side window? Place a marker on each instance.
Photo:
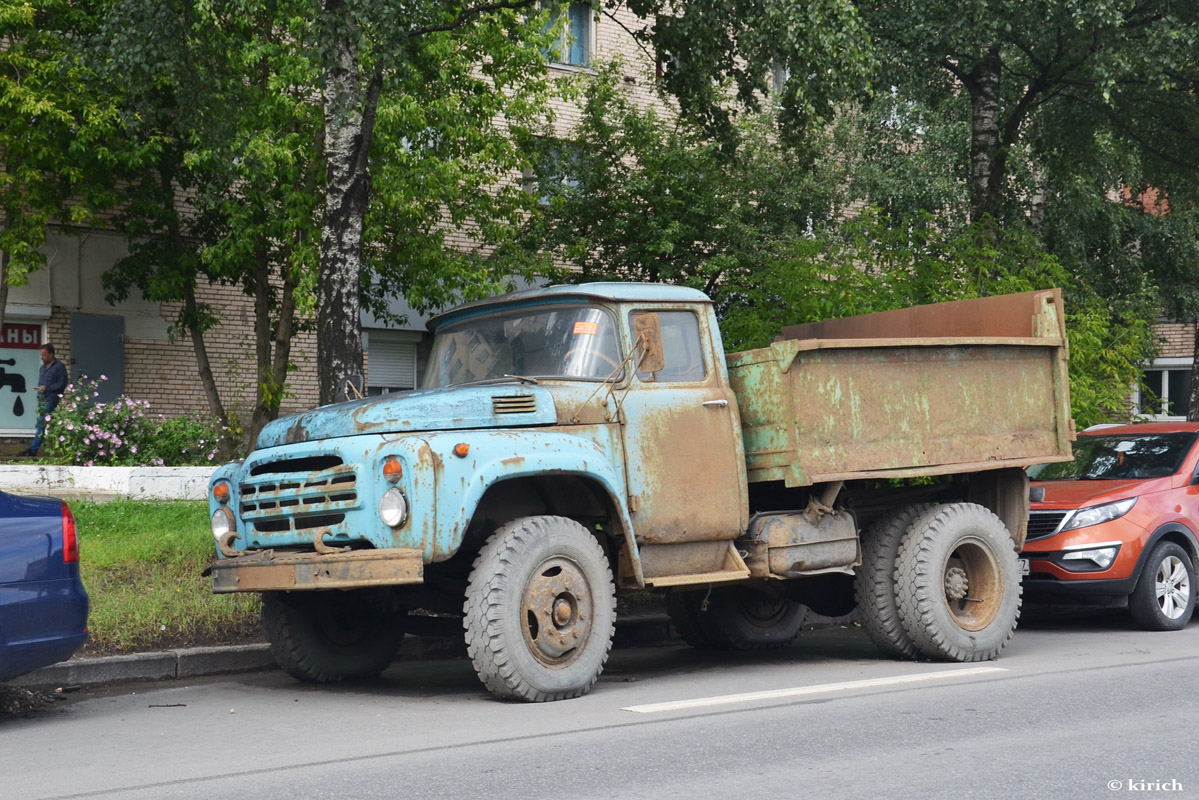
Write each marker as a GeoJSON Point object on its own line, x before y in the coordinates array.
{"type": "Point", "coordinates": [682, 348]}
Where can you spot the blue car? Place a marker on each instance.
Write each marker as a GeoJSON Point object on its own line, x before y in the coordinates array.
{"type": "Point", "coordinates": [43, 607]}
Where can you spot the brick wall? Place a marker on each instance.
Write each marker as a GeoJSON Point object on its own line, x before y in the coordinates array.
{"type": "Point", "coordinates": [1177, 339]}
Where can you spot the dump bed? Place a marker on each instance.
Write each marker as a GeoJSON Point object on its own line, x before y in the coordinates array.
{"type": "Point", "coordinates": [946, 388]}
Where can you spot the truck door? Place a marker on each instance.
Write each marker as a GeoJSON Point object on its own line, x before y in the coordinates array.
{"type": "Point", "coordinates": [682, 438]}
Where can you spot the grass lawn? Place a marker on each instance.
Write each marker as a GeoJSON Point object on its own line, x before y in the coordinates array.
{"type": "Point", "coordinates": [141, 564]}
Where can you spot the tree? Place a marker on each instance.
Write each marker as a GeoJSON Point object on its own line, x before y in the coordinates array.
{"type": "Point", "coordinates": [53, 132]}
{"type": "Point", "coordinates": [1066, 66]}
{"type": "Point", "coordinates": [218, 172]}
{"type": "Point", "coordinates": [640, 194]}
{"type": "Point", "coordinates": [365, 44]}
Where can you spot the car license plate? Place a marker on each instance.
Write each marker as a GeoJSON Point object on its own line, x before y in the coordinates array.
{"type": "Point", "coordinates": [1023, 564]}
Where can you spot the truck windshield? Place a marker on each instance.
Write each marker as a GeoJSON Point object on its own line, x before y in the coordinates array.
{"type": "Point", "coordinates": [570, 342]}
{"type": "Point", "coordinates": [1119, 458]}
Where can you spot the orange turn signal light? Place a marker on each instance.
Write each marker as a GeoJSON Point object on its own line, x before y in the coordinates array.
{"type": "Point", "coordinates": [392, 469]}
{"type": "Point", "coordinates": [461, 449]}
{"type": "Point", "coordinates": [220, 492]}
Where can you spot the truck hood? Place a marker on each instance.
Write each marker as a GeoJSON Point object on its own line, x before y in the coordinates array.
{"type": "Point", "coordinates": [454, 408]}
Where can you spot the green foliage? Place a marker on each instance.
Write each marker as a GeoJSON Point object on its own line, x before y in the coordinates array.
{"type": "Point", "coordinates": [875, 263]}
{"type": "Point", "coordinates": [54, 130]}
{"type": "Point", "coordinates": [141, 565]}
{"type": "Point", "coordinates": [638, 195]}
{"type": "Point", "coordinates": [718, 55]}
{"type": "Point", "coordinates": [123, 432]}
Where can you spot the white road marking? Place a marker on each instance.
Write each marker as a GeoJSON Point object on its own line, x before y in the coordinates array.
{"type": "Point", "coordinates": [823, 688]}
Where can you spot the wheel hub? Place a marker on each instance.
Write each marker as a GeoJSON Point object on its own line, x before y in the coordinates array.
{"type": "Point", "coordinates": [972, 584]}
{"type": "Point", "coordinates": [1173, 588]}
{"type": "Point", "coordinates": [556, 606]}
{"type": "Point", "coordinates": [957, 585]}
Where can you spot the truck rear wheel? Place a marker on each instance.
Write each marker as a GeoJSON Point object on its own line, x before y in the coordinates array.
{"type": "Point", "coordinates": [683, 608]}
{"type": "Point", "coordinates": [540, 610]}
{"type": "Point", "coordinates": [320, 637]}
{"type": "Point", "coordinates": [735, 618]}
{"type": "Point", "coordinates": [874, 582]}
{"type": "Point", "coordinates": [739, 618]}
{"type": "Point", "coordinates": [957, 583]}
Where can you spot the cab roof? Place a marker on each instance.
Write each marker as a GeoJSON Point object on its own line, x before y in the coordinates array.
{"type": "Point", "coordinates": [601, 291]}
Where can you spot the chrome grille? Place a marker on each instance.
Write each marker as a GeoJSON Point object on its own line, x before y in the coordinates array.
{"type": "Point", "coordinates": [276, 500]}
{"type": "Point", "coordinates": [514, 404]}
{"type": "Point", "coordinates": [1044, 523]}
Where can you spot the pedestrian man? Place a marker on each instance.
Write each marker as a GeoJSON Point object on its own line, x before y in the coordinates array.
{"type": "Point", "coordinates": [51, 382]}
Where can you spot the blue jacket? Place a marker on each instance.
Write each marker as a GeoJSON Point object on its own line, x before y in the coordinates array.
{"type": "Point", "coordinates": [53, 377]}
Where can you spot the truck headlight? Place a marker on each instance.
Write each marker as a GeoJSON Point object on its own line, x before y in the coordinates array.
{"type": "Point", "coordinates": [393, 508]}
{"type": "Point", "coordinates": [1085, 517]}
{"type": "Point", "coordinates": [222, 522]}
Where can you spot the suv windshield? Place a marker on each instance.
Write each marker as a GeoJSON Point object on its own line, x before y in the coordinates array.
{"type": "Point", "coordinates": [1116, 457]}
{"type": "Point", "coordinates": [573, 342]}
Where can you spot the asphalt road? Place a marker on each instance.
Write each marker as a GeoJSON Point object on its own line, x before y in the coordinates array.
{"type": "Point", "coordinates": [1081, 706]}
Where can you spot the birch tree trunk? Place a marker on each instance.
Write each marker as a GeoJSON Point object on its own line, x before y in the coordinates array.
{"type": "Point", "coordinates": [350, 100]}
{"type": "Point", "coordinates": [986, 162]}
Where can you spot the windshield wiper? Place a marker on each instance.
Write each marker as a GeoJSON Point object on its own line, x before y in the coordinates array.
{"type": "Point", "coordinates": [533, 381]}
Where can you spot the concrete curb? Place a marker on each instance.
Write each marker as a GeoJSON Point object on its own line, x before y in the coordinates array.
{"type": "Point", "coordinates": [101, 483]}
{"type": "Point", "coordinates": [195, 662]}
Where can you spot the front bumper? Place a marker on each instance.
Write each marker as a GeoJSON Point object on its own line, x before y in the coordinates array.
{"type": "Point", "coordinates": [268, 571]}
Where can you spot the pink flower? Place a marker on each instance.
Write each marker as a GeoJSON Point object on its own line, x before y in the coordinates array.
{"type": "Point", "coordinates": [103, 377]}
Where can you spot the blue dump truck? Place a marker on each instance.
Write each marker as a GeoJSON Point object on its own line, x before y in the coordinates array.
{"type": "Point", "coordinates": [573, 441]}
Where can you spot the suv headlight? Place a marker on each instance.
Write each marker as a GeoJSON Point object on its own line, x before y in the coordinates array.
{"type": "Point", "coordinates": [1085, 517]}
{"type": "Point", "coordinates": [393, 508]}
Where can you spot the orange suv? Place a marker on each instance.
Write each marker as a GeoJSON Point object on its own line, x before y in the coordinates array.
{"type": "Point", "coordinates": [1119, 520]}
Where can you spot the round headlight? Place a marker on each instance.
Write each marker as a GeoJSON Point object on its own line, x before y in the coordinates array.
{"type": "Point", "coordinates": [393, 508]}
{"type": "Point", "coordinates": [222, 522]}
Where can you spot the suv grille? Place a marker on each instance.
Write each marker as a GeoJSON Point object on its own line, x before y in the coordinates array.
{"type": "Point", "coordinates": [514, 404]}
{"type": "Point", "coordinates": [1044, 523]}
{"type": "Point", "coordinates": [299, 494]}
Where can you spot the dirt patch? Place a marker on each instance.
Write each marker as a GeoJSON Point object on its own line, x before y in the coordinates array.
{"type": "Point", "coordinates": [18, 702]}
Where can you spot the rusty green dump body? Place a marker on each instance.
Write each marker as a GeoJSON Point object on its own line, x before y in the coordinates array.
{"type": "Point", "coordinates": [948, 388]}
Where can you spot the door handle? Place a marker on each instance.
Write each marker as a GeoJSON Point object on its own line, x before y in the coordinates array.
{"type": "Point", "coordinates": [717, 403]}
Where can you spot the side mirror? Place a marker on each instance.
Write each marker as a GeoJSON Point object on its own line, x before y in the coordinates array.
{"type": "Point", "coordinates": [354, 386]}
{"type": "Point", "coordinates": [647, 337]}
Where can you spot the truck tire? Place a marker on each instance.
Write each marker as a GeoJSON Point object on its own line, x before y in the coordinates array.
{"type": "Point", "coordinates": [683, 608]}
{"type": "Point", "coordinates": [874, 582]}
{"type": "Point", "coordinates": [1164, 597]}
{"type": "Point", "coordinates": [540, 610]}
{"type": "Point", "coordinates": [319, 637]}
{"type": "Point", "coordinates": [957, 583]}
{"type": "Point", "coordinates": [738, 618]}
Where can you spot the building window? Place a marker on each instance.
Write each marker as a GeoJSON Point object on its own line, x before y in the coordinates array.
{"type": "Point", "coordinates": [574, 45]}
{"type": "Point", "coordinates": [1166, 389]}
{"type": "Point", "coordinates": [391, 361]}
{"type": "Point", "coordinates": [554, 171]}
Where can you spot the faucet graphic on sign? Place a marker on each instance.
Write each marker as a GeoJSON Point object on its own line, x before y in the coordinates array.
{"type": "Point", "coordinates": [16, 383]}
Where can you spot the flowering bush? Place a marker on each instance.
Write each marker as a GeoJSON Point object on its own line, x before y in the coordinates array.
{"type": "Point", "coordinates": [88, 433]}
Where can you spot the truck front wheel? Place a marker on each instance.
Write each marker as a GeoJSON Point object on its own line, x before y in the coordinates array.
{"type": "Point", "coordinates": [329, 636]}
{"type": "Point", "coordinates": [957, 583]}
{"type": "Point", "coordinates": [540, 610]}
